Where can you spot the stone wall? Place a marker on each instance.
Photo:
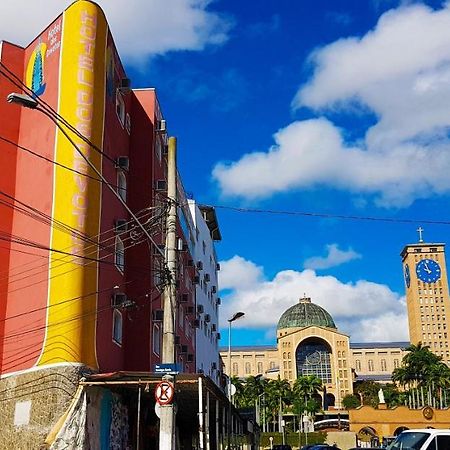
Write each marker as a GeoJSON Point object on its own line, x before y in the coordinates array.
{"type": "Point", "coordinates": [32, 402]}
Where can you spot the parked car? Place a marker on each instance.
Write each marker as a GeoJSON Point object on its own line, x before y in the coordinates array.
{"type": "Point", "coordinates": [282, 447]}
{"type": "Point", "coordinates": [324, 447]}
{"type": "Point", "coordinates": [422, 439]}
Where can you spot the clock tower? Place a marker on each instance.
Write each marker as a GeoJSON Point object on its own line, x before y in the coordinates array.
{"type": "Point", "coordinates": [427, 295]}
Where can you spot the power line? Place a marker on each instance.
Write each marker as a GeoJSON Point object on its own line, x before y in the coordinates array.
{"type": "Point", "coordinates": [327, 215]}
{"type": "Point", "coordinates": [56, 118]}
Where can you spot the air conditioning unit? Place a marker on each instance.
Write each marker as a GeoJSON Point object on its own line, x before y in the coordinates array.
{"type": "Point", "coordinates": [123, 162]}
{"type": "Point", "coordinates": [184, 349]}
{"type": "Point", "coordinates": [161, 126]}
{"type": "Point", "coordinates": [125, 85]}
{"type": "Point", "coordinates": [207, 277]}
{"type": "Point", "coordinates": [213, 327]}
{"type": "Point", "coordinates": [200, 309]}
{"type": "Point", "coordinates": [217, 266]}
{"type": "Point", "coordinates": [190, 310]}
{"type": "Point", "coordinates": [214, 289]}
{"type": "Point", "coordinates": [161, 185]}
{"type": "Point", "coordinates": [207, 318]}
{"type": "Point", "coordinates": [184, 298]}
{"type": "Point", "coordinates": [196, 323]}
{"type": "Point", "coordinates": [214, 365]}
{"type": "Point", "coordinates": [121, 225]}
{"type": "Point", "coordinates": [190, 263]}
{"type": "Point", "coordinates": [177, 340]}
{"type": "Point", "coordinates": [158, 315]}
{"type": "Point", "coordinates": [190, 357]}
{"type": "Point", "coordinates": [200, 265]}
{"type": "Point", "coordinates": [196, 279]}
{"type": "Point", "coordinates": [219, 301]}
{"type": "Point", "coordinates": [118, 299]}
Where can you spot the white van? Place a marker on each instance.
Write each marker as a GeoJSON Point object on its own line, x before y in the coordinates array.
{"type": "Point", "coordinates": [424, 439]}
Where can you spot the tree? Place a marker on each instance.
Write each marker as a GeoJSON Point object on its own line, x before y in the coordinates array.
{"type": "Point", "coordinates": [416, 366]}
{"type": "Point", "coordinates": [351, 401]}
{"type": "Point", "coordinates": [278, 394]}
{"type": "Point", "coordinates": [368, 390]}
{"type": "Point", "coordinates": [306, 386]}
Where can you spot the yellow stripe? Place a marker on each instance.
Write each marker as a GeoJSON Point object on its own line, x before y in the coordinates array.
{"type": "Point", "coordinates": [70, 334]}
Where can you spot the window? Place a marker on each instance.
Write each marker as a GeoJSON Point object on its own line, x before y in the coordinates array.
{"type": "Point", "coordinates": [370, 364]}
{"type": "Point", "coordinates": [272, 365]}
{"type": "Point", "coordinates": [117, 327]}
{"type": "Point", "coordinates": [156, 338]}
{"type": "Point", "coordinates": [383, 365]}
{"type": "Point", "coordinates": [122, 185]}
{"type": "Point", "coordinates": [119, 254]}
{"type": "Point", "coordinates": [358, 364]}
{"type": "Point", "coordinates": [235, 368]}
{"type": "Point", "coordinates": [120, 108]}
{"type": "Point", "coordinates": [158, 148]}
{"type": "Point", "coordinates": [396, 364]}
{"type": "Point", "coordinates": [260, 367]}
{"type": "Point", "coordinates": [248, 368]}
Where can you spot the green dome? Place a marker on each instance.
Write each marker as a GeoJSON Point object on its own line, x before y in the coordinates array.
{"type": "Point", "coordinates": [305, 314]}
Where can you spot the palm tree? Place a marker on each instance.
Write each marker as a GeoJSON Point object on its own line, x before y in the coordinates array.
{"type": "Point", "coordinates": [278, 394]}
{"type": "Point", "coordinates": [308, 385]}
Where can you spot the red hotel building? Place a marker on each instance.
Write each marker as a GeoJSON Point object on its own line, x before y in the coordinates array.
{"type": "Point", "coordinates": [80, 283]}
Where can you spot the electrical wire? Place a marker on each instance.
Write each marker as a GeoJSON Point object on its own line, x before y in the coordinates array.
{"type": "Point", "coordinates": [326, 215]}
{"type": "Point", "coordinates": [56, 118]}
{"type": "Point", "coordinates": [94, 247]}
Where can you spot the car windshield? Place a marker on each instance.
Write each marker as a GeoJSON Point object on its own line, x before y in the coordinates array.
{"type": "Point", "coordinates": [409, 441]}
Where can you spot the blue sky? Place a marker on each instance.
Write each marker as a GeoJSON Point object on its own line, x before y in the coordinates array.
{"type": "Point", "coordinates": [339, 108]}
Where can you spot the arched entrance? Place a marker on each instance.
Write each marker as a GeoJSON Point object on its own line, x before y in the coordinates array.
{"type": "Point", "coordinates": [313, 357]}
{"type": "Point", "coordinates": [368, 435]}
{"type": "Point", "coordinates": [329, 400]}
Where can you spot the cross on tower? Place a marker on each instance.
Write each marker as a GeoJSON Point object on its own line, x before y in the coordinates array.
{"type": "Point", "coordinates": [420, 230]}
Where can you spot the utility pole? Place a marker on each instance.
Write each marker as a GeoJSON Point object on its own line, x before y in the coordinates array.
{"type": "Point", "coordinates": [167, 413]}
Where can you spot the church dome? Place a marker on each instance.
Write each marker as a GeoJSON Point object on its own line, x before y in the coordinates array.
{"type": "Point", "coordinates": [305, 314]}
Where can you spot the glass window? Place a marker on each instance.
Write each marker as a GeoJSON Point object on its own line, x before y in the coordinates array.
{"type": "Point", "coordinates": [119, 254]}
{"type": "Point", "coordinates": [411, 440]}
{"type": "Point", "coordinates": [358, 364]}
{"type": "Point", "coordinates": [248, 368]}
{"type": "Point", "coordinates": [370, 364]}
{"type": "Point", "coordinates": [313, 357]}
{"type": "Point", "coordinates": [156, 338]}
{"type": "Point", "coordinates": [260, 367]}
{"type": "Point", "coordinates": [235, 368]}
{"type": "Point", "coordinates": [120, 108]}
{"type": "Point", "coordinates": [117, 326]}
{"type": "Point", "coordinates": [122, 185]}
{"type": "Point", "coordinates": [383, 365]}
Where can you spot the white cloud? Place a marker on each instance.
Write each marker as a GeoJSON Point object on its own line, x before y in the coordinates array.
{"type": "Point", "coordinates": [367, 311]}
{"type": "Point", "coordinates": [312, 153]}
{"type": "Point", "coordinates": [401, 72]}
{"type": "Point", "coordinates": [238, 273]}
{"type": "Point", "coordinates": [140, 28]}
{"type": "Point", "coordinates": [335, 257]}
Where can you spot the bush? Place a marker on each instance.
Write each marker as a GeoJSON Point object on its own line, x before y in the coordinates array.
{"type": "Point", "coordinates": [292, 438]}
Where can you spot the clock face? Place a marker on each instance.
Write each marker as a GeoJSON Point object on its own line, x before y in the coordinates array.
{"type": "Point", "coordinates": [428, 270]}
{"type": "Point", "coordinates": [407, 276]}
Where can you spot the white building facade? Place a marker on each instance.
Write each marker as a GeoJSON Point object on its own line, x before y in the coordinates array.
{"type": "Point", "coordinates": [207, 301]}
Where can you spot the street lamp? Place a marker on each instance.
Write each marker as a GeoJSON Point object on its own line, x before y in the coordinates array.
{"type": "Point", "coordinates": [234, 317]}
{"type": "Point", "coordinates": [23, 100]}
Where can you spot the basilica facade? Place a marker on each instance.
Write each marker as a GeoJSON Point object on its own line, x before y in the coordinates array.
{"type": "Point", "coordinates": [309, 343]}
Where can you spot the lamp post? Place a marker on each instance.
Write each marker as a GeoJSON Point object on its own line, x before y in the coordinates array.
{"type": "Point", "coordinates": [234, 317]}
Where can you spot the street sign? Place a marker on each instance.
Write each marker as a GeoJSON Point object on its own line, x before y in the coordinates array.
{"type": "Point", "coordinates": [169, 369]}
{"type": "Point", "coordinates": [164, 392]}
